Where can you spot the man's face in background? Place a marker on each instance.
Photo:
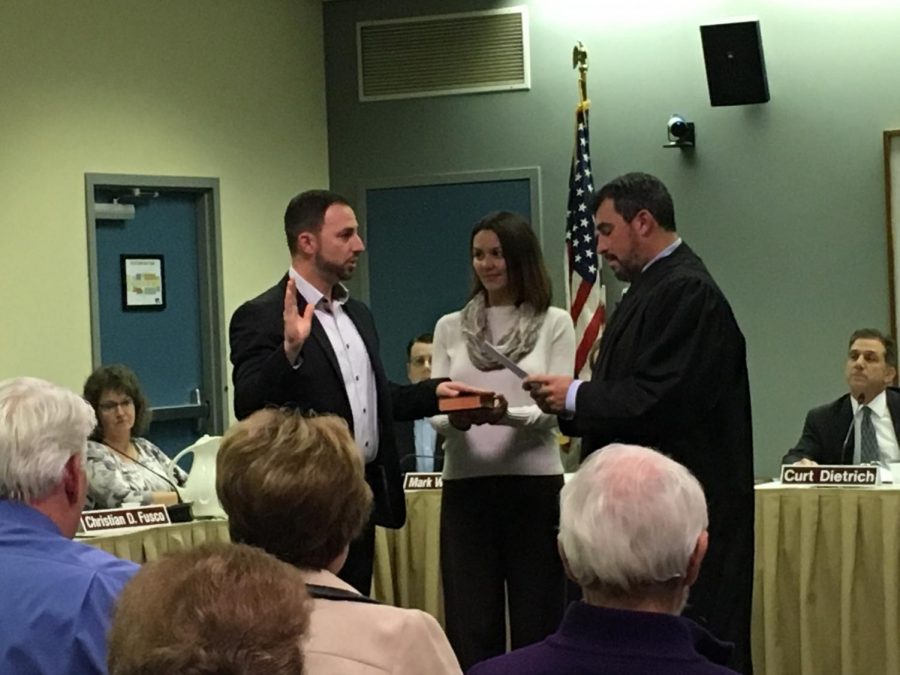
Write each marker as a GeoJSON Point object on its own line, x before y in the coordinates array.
{"type": "Point", "coordinates": [418, 367]}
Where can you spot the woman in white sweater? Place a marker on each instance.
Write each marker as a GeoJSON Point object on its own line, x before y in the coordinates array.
{"type": "Point", "coordinates": [502, 472]}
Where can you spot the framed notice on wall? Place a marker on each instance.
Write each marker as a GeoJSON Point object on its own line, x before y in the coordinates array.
{"type": "Point", "coordinates": [143, 282]}
{"type": "Point", "coordinates": [892, 209]}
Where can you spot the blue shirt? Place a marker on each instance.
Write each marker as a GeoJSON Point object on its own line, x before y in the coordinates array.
{"type": "Point", "coordinates": [426, 438]}
{"type": "Point", "coordinates": [57, 596]}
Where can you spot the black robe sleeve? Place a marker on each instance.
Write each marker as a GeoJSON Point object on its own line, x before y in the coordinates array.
{"type": "Point", "coordinates": [665, 363]}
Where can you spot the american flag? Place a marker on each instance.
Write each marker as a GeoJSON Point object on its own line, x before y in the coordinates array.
{"type": "Point", "coordinates": [586, 293]}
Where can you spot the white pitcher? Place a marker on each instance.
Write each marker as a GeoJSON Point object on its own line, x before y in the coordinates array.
{"type": "Point", "coordinates": [200, 487]}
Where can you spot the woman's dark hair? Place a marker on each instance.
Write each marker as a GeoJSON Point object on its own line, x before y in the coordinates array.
{"type": "Point", "coordinates": [528, 278]}
{"type": "Point", "coordinates": [117, 377]}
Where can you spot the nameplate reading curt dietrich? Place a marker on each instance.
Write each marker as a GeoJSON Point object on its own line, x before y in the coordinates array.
{"type": "Point", "coordinates": [112, 519]}
{"type": "Point", "coordinates": [829, 475]}
{"type": "Point", "coordinates": [423, 481]}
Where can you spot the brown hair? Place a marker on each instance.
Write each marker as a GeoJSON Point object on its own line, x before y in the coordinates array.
{"type": "Point", "coordinates": [117, 377]}
{"type": "Point", "coordinates": [306, 212]}
{"type": "Point", "coordinates": [293, 485]}
{"type": "Point", "coordinates": [424, 338]}
{"type": "Point", "coordinates": [634, 192]}
{"type": "Point", "coordinates": [221, 609]}
{"type": "Point", "coordinates": [528, 278]}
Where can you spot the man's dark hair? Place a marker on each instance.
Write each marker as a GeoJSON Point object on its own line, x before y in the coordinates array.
{"type": "Point", "coordinates": [306, 212]}
{"type": "Point", "coordinates": [525, 271]}
{"type": "Point", "coordinates": [118, 378]}
{"type": "Point", "coordinates": [426, 338]}
{"type": "Point", "coordinates": [635, 192]}
{"type": "Point", "coordinates": [890, 347]}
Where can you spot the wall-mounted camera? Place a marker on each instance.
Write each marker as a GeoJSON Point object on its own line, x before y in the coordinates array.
{"type": "Point", "coordinates": [680, 131]}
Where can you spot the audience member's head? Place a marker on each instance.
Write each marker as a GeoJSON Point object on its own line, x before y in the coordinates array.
{"type": "Point", "coordinates": [633, 529]}
{"type": "Point", "coordinates": [222, 609]}
{"type": "Point", "coordinates": [418, 358]}
{"type": "Point", "coordinates": [43, 435]}
{"type": "Point", "coordinates": [871, 363]}
{"type": "Point", "coordinates": [293, 486]}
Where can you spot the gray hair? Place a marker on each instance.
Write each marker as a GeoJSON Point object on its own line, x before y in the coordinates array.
{"type": "Point", "coordinates": [630, 518]}
{"type": "Point", "coordinates": [42, 425]}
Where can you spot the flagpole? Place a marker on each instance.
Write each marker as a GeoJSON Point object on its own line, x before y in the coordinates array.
{"type": "Point", "coordinates": [586, 293]}
{"type": "Point", "coordinates": [580, 61]}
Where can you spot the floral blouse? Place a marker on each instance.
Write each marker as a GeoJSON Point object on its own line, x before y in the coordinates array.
{"type": "Point", "coordinates": [114, 480]}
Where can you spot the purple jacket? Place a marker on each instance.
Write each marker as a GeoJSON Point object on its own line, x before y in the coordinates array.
{"type": "Point", "coordinates": [600, 641]}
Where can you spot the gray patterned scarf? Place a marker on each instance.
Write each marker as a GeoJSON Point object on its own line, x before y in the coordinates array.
{"type": "Point", "coordinates": [515, 345]}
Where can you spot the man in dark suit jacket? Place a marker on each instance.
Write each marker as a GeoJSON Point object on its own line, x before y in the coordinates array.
{"type": "Point", "coordinates": [304, 343]}
{"type": "Point", "coordinates": [832, 432]}
{"type": "Point", "coordinates": [672, 375]}
{"type": "Point", "coordinates": [419, 446]}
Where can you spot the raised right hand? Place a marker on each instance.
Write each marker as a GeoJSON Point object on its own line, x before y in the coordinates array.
{"type": "Point", "coordinates": [296, 325]}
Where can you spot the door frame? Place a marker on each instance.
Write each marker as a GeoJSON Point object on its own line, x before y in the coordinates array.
{"type": "Point", "coordinates": [209, 247]}
{"type": "Point", "coordinates": [531, 173]}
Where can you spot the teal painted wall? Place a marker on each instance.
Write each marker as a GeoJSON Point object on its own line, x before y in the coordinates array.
{"type": "Point", "coordinates": [784, 201]}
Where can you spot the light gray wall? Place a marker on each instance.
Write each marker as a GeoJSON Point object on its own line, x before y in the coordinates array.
{"type": "Point", "coordinates": [784, 201]}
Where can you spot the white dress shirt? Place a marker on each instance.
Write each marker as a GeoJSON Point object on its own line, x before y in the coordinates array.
{"type": "Point", "coordinates": [884, 429]}
{"type": "Point", "coordinates": [353, 360]}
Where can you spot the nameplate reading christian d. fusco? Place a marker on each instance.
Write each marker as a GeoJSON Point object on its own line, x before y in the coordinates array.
{"type": "Point", "coordinates": [830, 475]}
{"type": "Point", "coordinates": [423, 481]}
{"type": "Point", "coordinates": [112, 519]}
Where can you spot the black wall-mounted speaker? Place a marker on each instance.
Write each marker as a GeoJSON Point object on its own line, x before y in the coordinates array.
{"type": "Point", "coordinates": [735, 68]}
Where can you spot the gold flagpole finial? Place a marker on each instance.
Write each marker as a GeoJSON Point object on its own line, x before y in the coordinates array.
{"type": "Point", "coordinates": [580, 61]}
{"type": "Point", "coordinates": [580, 57]}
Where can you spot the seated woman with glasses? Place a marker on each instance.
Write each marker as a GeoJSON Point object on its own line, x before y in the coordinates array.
{"type": "Point", "coordinates": [123, 468]}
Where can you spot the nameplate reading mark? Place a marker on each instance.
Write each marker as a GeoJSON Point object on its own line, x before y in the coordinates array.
{"type": "Point", "coordinates": [830, 475]}
{"type": "Point", "coordinates": [423, 481]}
{"type": "Point", "coordinates": [112, 519]}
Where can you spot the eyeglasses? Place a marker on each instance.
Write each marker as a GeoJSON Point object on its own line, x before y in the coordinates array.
{"type": "Point", "coordinates": [109, 406]}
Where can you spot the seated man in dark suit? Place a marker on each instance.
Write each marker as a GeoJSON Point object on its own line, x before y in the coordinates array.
{"type": "Point", "coordinates": [632, 534]}
{"type": "Point", "coordinates": [861, 426]}
{"type": "Point", "coordinates": [419, 446]}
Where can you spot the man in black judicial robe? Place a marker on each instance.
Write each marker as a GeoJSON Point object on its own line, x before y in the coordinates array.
{"type": "Point", "coordinates": [672, 375]}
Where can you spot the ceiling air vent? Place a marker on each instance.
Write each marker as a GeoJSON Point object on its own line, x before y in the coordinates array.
{"type": "Point", "coordinates": [441, 55]}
